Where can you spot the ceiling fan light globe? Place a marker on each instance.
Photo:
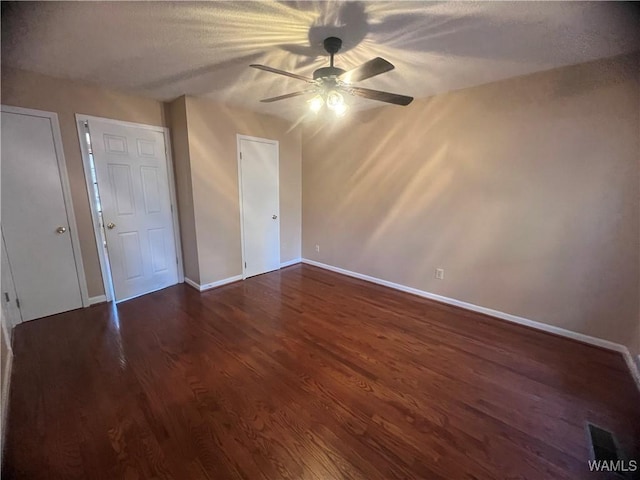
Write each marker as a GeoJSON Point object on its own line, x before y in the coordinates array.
{"type": "Point", "coordinates": [340, 110]}
{"type": "Point", "coordinates": [315, 104]}
{"type": "Point", "coordinates": [334, 100]}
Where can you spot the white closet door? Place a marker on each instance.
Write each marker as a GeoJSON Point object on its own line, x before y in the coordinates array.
{"type": "Point", "coordinates": [260, 205]}
{"type": "Point", "coordinates": [131, 170]}
{"type": "Point", "coordinates": [35, 223]}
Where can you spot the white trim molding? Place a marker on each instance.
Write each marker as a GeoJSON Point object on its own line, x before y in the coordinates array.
{"type": "Point", "coordinates": [6, 382]}
{"type": "Point", "coordinates": [6, 386]}
{"type": "Point", "coordinates": [598, 342]}
{"type": "Point", "coordinates": [634, 365]}
{"type": "Point", "coordinates": [97, 299]}
{"type": "Point", "coordinates": [236, 278]}
{"type": "Point", "coordinates": [288, 263]}
{"type": "Point", "coordinates": [191, 283]}
{"type": "Point", "coordinates": [209, 286]}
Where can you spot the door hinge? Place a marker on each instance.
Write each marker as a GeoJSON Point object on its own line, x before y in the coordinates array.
{"type": "Point", "coordinates": [245, 264]}
{"type": "Point", "coordinates": [18, 302]}
{"type": "Point", "coordinates": [6, 297]}
{"type": "Point", "coordinates": [240, 155]}
{"type": "Point", "coordinates": [176, 260]}
{"type": "Point", "coordinates": [171, 208]}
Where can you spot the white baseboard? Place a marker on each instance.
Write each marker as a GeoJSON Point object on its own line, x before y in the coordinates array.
{"type": "Point", "coordinates": [97, 299]}
{"type": "Point", "coordinates": [288, 263]}
{"type": "Point", "coordinates": [4, 400]}
{"type": "Point", "coordinates": [209, 286]}
{"type": "Point", "coordinates": [219, 283]}
{"type": "Point", "coordinates": [634, 365]}
{"type": "Point", "coordinates": [191, 283]}
{"type": "Point", "coordinates": [599, 342]}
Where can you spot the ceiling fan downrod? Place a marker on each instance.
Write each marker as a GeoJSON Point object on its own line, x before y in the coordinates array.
{"type": "Point", "coordinates": [332, 45]}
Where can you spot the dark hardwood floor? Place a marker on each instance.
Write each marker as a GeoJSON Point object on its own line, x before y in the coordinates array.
{"type": "Point", "coordinates": [305, 374]}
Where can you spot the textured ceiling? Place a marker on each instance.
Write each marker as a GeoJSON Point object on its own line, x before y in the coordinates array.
{"type": "Point", "coordinates": [165, 49]}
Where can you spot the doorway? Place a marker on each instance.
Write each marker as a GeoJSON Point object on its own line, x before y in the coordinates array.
{"type": "Point", "coordinates": [258, 175]}
{"type": "Point", "coordinates": [128, 169]}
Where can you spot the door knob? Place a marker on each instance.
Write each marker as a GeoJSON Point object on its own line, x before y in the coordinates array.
{"type": "Point", "coordinates": [111, 225]}
{"type": "Point", "coordinates": [61, 230]}
{"type": "Point", "coordinates": [274, 217]}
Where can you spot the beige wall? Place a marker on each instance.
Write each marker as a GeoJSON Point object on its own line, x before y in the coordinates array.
{"type": "Point", "coordinates": [66, 98]}
{"type": "Point", "coordinates": [212, 130]}
{"type": "Point", "coordinates": [177, 117]}
{"type": "Point", "coordinates": [525, 191]}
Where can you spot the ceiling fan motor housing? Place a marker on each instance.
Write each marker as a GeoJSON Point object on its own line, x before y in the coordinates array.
{"type": "Point", "coordinates": [326, 72]}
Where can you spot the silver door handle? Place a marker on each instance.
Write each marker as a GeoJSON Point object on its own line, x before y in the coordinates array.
{"type": "Point", "coordinates": [274, 217]}
{"type": "Point", "coordinates": [61, 230]}
{"type": "Point", "coordinates": [111, 225]}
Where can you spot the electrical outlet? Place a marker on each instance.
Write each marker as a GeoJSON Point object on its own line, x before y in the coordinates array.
{"type": "Point", "coordinates": [317, 248]}
{"type": "Point", "coordinates": [440, 273]}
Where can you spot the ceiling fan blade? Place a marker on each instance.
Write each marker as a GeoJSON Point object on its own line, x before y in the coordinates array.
{"type": "Point", "coordinates": [282, 72]}
{"type": "Point", "coordinates": [367, 70]}
{"type": "Point", "coordinates": [288, 95]}
{"type": "Point", "coordinates": [380, 96]}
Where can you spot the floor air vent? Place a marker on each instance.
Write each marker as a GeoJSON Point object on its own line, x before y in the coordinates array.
{"type": "Point", "coordinates": [606, 455]}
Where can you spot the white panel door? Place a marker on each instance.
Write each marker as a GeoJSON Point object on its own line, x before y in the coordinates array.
{"type": "Point", "coordinates": [131, 170]}
{"type": "Point", "coordinates": [35, 223]}
{"type": "Point", "coordinates": [260, 206]}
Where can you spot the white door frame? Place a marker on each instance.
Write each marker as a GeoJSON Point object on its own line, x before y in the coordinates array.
{"type": "Point", "coordinates": [80, 121]}
{"type": "Point", "coordinates": [12, 312]}
{"type": "Point", "coordinates": [66, 191]}
{"type": "Point", "coordinates": [239, 138]}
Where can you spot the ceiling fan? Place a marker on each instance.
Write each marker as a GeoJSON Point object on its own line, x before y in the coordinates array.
{"type": "Point", "coordinates": [328, 83]}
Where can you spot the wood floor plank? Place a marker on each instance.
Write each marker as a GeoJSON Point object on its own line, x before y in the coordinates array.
{"type": "Point", "coordinates": [305, 373]}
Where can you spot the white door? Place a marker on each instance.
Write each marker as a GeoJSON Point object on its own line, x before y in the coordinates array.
{"type": "Point", "coordinates": [131, 170]}
{"type": "Point", "coordinates": [35, 222]}
{"type": "Point", "coordinates": [260, 205]}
